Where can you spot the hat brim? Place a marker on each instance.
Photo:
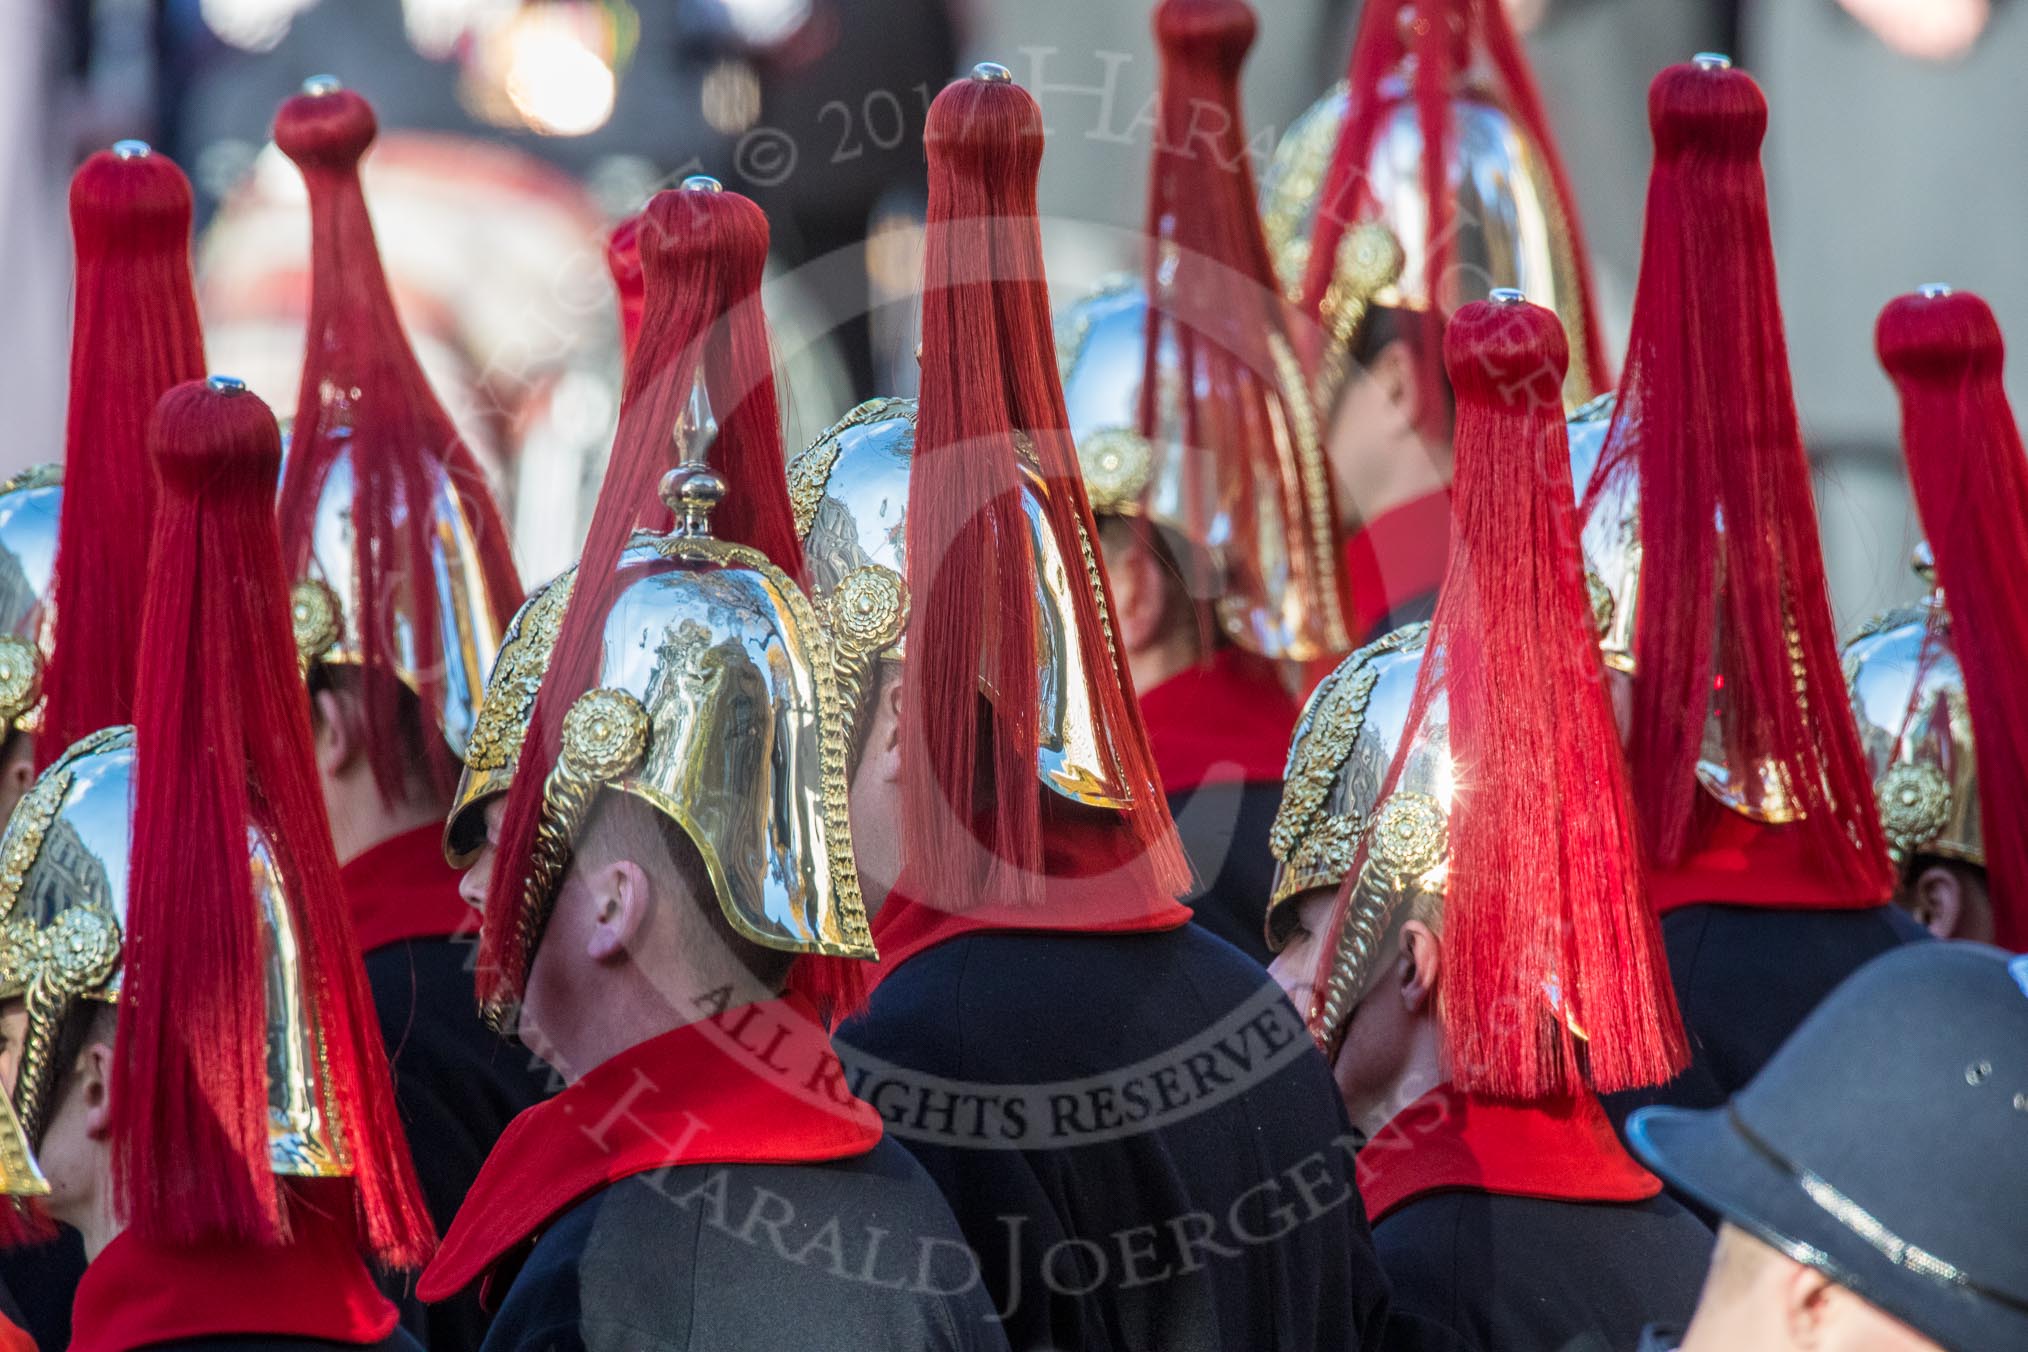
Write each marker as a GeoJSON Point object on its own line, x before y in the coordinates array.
{"type": "Point", "coordinates": [1703, 1154]}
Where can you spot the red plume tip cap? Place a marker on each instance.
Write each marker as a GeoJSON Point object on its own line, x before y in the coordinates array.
{"type": "Point", "coordinates": [703, 354]}
{"type": "Point", "coordinates": [1427, 55]}
{"type": "Point", "coordinates": [1545, 906]}
{"type": "Point", "coordinates": [1733, 623]}
{"type": "Point", "coordinates": [222, 743]}
{"type": "Point", "coordinates": [365, 406]}
{"type": "Point", "coordinates": [1943, 350]}
{"type": "Point", "coordinates": [134, 334]}
{"type": "Point", "coordinates": [991, 410]}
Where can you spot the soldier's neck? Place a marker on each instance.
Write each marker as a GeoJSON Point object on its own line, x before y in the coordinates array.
{"type": "Point", "coordinates": [1422, 1069]}
{"type": "Point", "coordinates": [360, 819]}
{"type": "Point", "coordinates": [1373, 480]}
{"type": "Point", "coordinates": [631, 1005]}
{"type": "Point", "coordinates": [1173, 653]}
{"type": "Point", "coordinates": [90, 1213]}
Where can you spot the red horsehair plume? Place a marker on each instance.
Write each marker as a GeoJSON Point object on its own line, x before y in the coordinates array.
{"type": "Point", "coordinates": [702, 253]}
{"type": "Point", "coordinates": [364, 395]}
{"type": "Point", "coordinates": [1970, 474]}
{"type": "Point", "coordinates": [1545, 889]}
{"type": "Point", "coordinates": [623, 260]}
{"type": "Point", "coordinates": [134, 335]}
{"type": "Point", "coordinates": [1437, 41]}
{"type": "Point", "coordinates": [1211, 287]}
{"type": "Point", "coordinates": [1707, 419]}
{"type": "Point", "coordinates": [989, 382]}
{"type": "Point", "coordinates": [222, 741]}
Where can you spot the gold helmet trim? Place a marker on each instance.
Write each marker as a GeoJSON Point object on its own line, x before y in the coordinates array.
{"type": "Point", "coordinates": [1511, 229]}
{"type": "Point", "coordinates": [849, 491]}
{"type": "Point", "coordinates": [30, 506]}
{"type": "Point", "coordinates": [1915, 726]}
{"type": "Point", "coordinates": [704, 635]}
{"type": "Point", "coordinates": [1267, 604]}
{"type": "Point", "coordinates": [63, 907]}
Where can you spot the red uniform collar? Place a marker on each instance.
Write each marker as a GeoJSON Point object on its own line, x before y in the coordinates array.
{"type": "Point", "coordinates": [402, 889]}
{"type": "Point", "coordinates": [1226, 721]}
{"type": "Point", "coordinates": [1397, 557]}
{"type": "Point", "coordinates": [754, 1084]}
{"type": "Point", "coordinates": [138, 1293]}
{"type": "Point", "coordinates": [1740, 862]}
{"type": "Point", "coordinates": [1082, 894]}
{"type": "Point", "coordinates": [1563, 1151]}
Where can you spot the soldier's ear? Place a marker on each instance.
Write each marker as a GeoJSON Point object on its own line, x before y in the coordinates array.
{"type": "Point", "coordinates": [882, 753]}
{"type": "Point", "coordinates": [337, 740]}
{"type": "Point", "coordinates": [1393, 371]}
{"type": "Point", "coordinates": [620, 897]}
{"type": "Point", "coordinates": [1140, 587]}
{"type": "Point", "coordinates": [17, 774]}
{"type": "Point", "coordinates": [1421, 966]}
{"type": "Point", "coordinates": [1809, 1306]}
{"type": "Point", "coordinates": [1937, 900]}
{"type": "Point", "coordinates": [94, 1073]}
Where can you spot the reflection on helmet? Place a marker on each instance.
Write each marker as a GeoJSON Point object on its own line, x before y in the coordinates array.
{"type": "Point", "coordinates": [1348, 737]}
{"type": "Point", "coordinates": [716, 702]}
{"type": "Point", "coordinates": [325, 605]}
{"type": "Point", "coordinates": [29, 504]}
{"type": "Point", "coordinates": [850, 495]}
{"type": "Point", "coordinates": [63, 908]}
{"type": "Point", "coordinates": [1611, 539]}
{"type": "Point", "coordinates": [1510, 226]}
{"type": "Point", "coordinates": [1908, 697]}
{"type": "Point", "coordinates": [1274, 576]}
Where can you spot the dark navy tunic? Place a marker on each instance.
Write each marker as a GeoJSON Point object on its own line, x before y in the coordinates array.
{"type": "Point", "coordinates": [41, 1282]}
{"type": "Point", "coordinates": [1224, 828]}
{"type": "Point", "coordinates": [398, 1341]}
{"type": "Point", "coordinates": [1746, 976]}
{"type": "Point", "coordinates": [457, 1084]}
{"type": "Point", "coordinates": [1137, 1136]}
{"type": "Point", "coordinates": [860, 1253]}
{"type": "Point", "coordinates": [1476, 1272]}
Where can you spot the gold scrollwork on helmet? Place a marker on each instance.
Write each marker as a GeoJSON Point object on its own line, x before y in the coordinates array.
{"type": "Point", "coordinates": [1410, 835]}
{"type": "Point", "coordinates": [315, 618]}
{"type": "Point", "coordinates": [1305, 838]}
{"type": "Point", "coordinates": [1319, 507]}
{"type": "Point", "coordinates": [865, 615]}
{"type": "Point", "coordinates": [517, 678]}
{"type": "Point", "coordinates": [604, 737]}
{"type": "Point", "coordinates": [1369, 260]}
{"type": "Point", "coordinates": [52, 967]}
{"type": "Point", "coordinates": [46, 475]}
{"type": "Point", "coordinates": [1915, 806]}
{"type": "Point", "coordinates": [70, 958]}
{"type": "Point", "coordinates": [1409, 839]}
{"type": "Point", "coordinates": [76, 952]}
{"type": "Point", "coordinates": [1292, 182]}
{"type": "Point", "coordinates": [869, 609]}
{"type": "Point", "coordinates": [1118, 463]}
{"type": "Point", "coordinates": [1601, 598]}
{"type": "Point", "coordinates": [22, 845]}
{"type": "Point", "coordinates": [20, 676]}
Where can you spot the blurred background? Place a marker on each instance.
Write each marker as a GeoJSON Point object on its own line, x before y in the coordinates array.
{"type": "Point", "coordinates": [515, 131]}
